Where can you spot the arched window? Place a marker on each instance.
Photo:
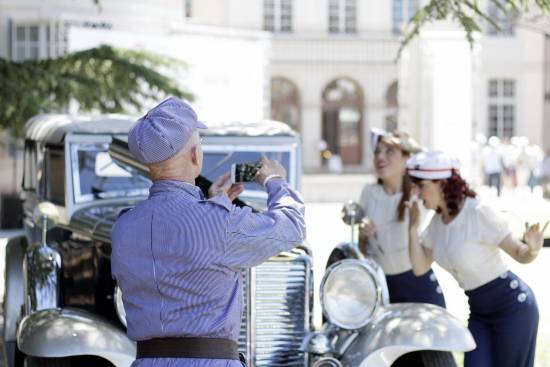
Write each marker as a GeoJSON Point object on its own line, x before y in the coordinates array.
{"type": "Point", "coordinates": [342, 120]}
{"type": "Point", "coordinates": [285, 102]}
{"type": "Point", "coordinates": [392, 105]}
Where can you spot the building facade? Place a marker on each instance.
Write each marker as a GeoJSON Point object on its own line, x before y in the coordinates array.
{"type": "Point", "coordinates": [333, 67]}
{"type": "Point", "coordinates": [335, 75]}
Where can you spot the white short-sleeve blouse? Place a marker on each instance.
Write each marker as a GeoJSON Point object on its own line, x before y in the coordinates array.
{"type": "Point", "coordinates": [468, 246]}
{"type": "Point", "coordinates": [390, 246]}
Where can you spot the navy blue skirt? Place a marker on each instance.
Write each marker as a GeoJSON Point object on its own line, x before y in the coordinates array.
{"type": "Point", "coordinates": [504, 320]}
{"type": "Point", "coordinates": [407, 287]}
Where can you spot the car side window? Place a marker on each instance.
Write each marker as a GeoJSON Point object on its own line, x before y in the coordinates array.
{"type": "Point", "coordinates": [30, 167]}
{"type": "Point", "coordinates": [54, 168]}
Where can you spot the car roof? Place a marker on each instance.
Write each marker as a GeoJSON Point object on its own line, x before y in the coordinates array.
{"type": "Point", "coordinates": [52, 128]}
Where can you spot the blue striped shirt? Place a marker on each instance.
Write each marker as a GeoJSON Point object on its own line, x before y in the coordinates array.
{"type": "Point", "coordinates": [178, 259]}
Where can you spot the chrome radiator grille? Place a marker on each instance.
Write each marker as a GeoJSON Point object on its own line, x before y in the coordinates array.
{"type": "Point", "coordinates": [278, 301]}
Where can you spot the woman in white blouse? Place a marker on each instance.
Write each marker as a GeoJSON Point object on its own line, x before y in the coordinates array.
{"type": "Point", "coordinates": [384, 231]}
{"type": "Point", "coordinates": [466, 238]}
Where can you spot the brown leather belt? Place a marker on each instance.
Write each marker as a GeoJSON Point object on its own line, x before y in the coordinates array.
{"type": "Point", "coordinates": [207, 348]}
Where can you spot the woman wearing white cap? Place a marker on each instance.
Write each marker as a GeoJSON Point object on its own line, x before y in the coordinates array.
{"type": "Point", "coordinates": [383, 232]}
{"type": "Point", "coordinates": [465, 237]}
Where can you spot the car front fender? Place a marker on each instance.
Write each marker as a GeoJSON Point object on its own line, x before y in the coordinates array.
{"type": "Point", "coordinates": [401, 328]}
{"type": "Point", "coordinates": [13, 282]}
{"type": "Point", "coordinates": [71, 332]}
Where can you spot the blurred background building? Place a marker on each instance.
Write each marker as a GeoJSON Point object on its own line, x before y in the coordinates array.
{"type": "Point", "coordinates": [328, 68]}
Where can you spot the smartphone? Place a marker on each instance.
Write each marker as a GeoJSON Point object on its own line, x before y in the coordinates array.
{"type": "Point", "coordinates": [244, 172]}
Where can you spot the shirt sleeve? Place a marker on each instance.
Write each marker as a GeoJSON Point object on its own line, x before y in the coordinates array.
{"type": "Point", "coordinates": [492, 225]}
{"type": "Point", "coordinates": [253, 238]}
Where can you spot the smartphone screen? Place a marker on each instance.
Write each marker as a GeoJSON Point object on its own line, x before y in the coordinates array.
{"type": "Point", "coordinates": [244, 172]}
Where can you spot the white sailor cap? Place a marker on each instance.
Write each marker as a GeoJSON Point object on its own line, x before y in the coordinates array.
{"type": "Point", "coordinates": [432, 165]}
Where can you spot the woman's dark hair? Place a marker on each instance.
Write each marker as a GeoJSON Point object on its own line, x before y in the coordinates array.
{"type": "Point", "coordinates": [406, 189]}
{"type": "Point", "coordinates": [406, 196]}
{"type": "Point", "coordinates": [455, 191]}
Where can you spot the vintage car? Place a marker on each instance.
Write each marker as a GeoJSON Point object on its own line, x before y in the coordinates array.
{"type": "Point", "coordinates": [61, 305]}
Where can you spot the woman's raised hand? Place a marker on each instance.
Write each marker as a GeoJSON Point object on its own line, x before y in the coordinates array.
{"type": "Point", "coordinates": [367, 228]}
{"type": "Point", "coordinates": [533, 238]}
{"type": "Point", "coordinates": [414, 212]}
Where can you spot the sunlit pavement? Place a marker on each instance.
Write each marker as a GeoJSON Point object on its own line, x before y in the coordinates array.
{"type": "Point", "coordinates": [325, 230]}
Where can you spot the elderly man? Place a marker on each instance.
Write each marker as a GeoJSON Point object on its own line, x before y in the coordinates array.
{"type": "Point", "coordinates": [177, 256]}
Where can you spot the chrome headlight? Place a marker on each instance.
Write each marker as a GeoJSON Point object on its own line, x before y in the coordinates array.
{"type": "Point", "coordinates": [119, 306]}
{"type": "Point", "coordinates": [350, 294]}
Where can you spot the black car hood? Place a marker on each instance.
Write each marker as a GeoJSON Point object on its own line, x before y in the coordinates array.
{"type": "Point", "coordinates": [97, 221]}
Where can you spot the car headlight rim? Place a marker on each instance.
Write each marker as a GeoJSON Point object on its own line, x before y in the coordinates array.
{"type": "Point", "coordinates": [370, 275]}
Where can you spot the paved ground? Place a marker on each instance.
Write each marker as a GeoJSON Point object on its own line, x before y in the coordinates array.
{"type": "Point", "coordinates": [325, 194]}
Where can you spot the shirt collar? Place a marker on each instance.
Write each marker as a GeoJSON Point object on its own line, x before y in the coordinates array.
{"type": "Point", "coordinates": [175, 185]}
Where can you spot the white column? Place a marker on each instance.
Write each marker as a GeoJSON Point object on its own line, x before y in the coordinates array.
{"type": "Point", "coordinates": [436, 76]}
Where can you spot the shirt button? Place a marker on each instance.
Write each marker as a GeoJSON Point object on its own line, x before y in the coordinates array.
{"type": "Point", "coordinates": [522, 297]}
{"type": "Point", "coordinates": [432, 277]}
{"type": "Point", "coordinates": [504, 275]}
{"type": "Point", "coordinates": [514, 284]}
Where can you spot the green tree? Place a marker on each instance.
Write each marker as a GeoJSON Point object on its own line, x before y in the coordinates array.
{"type": "Point", "coordinates": [101, 79]}
{"type": "Point", "coordinates": [469, 14]}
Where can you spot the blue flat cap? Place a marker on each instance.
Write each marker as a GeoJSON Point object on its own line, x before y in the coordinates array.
{"type": "Point", "coordinates": [163, 131]}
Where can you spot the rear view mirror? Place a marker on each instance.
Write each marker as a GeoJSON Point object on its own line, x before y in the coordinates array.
{"type": "Point", "coordinates": [352, 213]}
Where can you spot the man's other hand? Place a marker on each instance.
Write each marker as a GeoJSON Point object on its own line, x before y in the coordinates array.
{"type": "Point", "coordinates": [224, 186]}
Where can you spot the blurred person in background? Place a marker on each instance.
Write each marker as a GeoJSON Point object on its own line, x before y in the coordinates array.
{"type": "Point", "coordinates": [478, 176]}
{"type": "Point", "coordinates": [544, 174]}
{"type": "Point", "coordinates": [493, 164]}
{"type": "Point", "coordinates": [534, 155]}
{"type": "Point", "coordinates": [510, 155]}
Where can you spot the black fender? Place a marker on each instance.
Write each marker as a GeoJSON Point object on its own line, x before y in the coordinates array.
{"type": "Point", "coordinates": [14, 298]}
{"type": "Point", "coordinates": [341, 251]}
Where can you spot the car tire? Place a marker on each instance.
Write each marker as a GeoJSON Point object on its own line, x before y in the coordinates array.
{"type": "Point", "coordinates": [432, 358]}
{"type": "Point", "coordinates": [426, 358]}
{"type": "Point", "coordinates": [46, 362]}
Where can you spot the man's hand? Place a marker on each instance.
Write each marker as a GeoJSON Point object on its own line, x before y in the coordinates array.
{"type": "Point", "coordinates": [269, 168]}
{"type": "Point", "coordinates": [223, 186]}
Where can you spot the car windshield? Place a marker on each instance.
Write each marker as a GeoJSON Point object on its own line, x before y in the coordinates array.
{"type": "Point", "coordinates": [217, 162]}
{"type": "Point", "coordinates": [97, 176]}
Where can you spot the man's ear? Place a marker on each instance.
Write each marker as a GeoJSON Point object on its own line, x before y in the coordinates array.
{"type": "Point", "coordinates": [194, 156]}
